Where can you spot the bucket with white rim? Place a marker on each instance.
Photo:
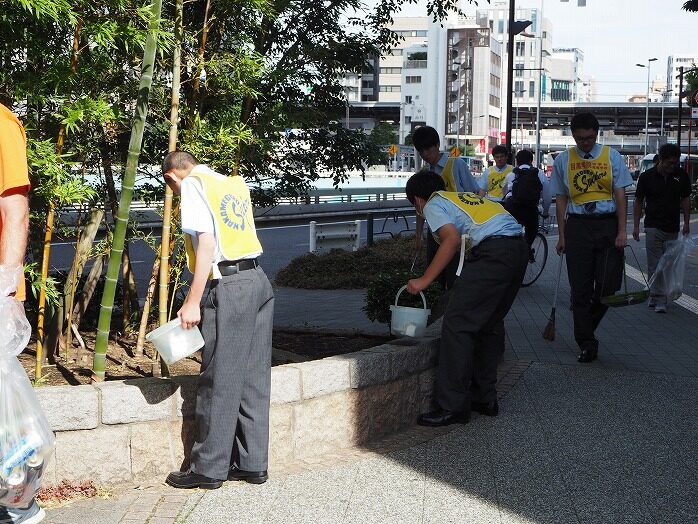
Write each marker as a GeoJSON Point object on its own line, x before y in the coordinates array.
{"type": "Point", "coordinates": [173, 342]}
{"type": "Point", "coordinates": [408, 321]}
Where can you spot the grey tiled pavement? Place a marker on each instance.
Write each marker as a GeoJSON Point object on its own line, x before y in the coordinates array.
{"type": "Point", "coordinates": [608, 442]}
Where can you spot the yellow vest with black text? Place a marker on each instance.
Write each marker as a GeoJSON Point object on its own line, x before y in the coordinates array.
{"type": "Point", "coordinates": [228, 199]}
{"type": "Point", "coordinates": [590, 180]}
{"type": "Point", "coordinates": [495, 181]}
{"type": "Point", "coordinates": [479, 209]}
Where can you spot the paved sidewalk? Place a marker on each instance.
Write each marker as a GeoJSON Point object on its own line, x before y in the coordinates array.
{"type": "Point", "coordinates": [612, 441]}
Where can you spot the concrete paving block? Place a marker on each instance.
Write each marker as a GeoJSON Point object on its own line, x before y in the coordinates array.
{"type": "Point", "coordinates": [103, 454]}
{"type": "Point", "coordinates": [69, 408]}
{"type": "Point", "coordinates": [285, 384]}
{"type": "Point", "coordinates": [153, 452]}
{"type": "Point", "coordinates": [326, 423]}
{"type": "Point", "coordinates": [366, 368]}
{"type": "Point", "coordinates": [280, 434]}
{"type": "Point", "coordinates": [137, 400]}
{"type": "Point", "coordinates": [185, 395]}
{"type": "Point", "coordinates": [325, 376]}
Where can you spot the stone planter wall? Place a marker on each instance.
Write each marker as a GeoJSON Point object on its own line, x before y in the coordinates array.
{"type": "Point", "coordinates": [133, 430]}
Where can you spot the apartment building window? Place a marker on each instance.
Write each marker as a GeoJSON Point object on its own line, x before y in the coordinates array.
{"type": "Point", "coordinates": [531, 89]}
{"type": "Point", "coordinates": [390, 70]}
{"type": "Point", "coordinates": [413, 79]}
{"type": "Point", "coordinates": [395, 52]}
{"type": "Point", "coordinates": [494, 100]}
{"type": "Point", "coordinates": [518, 89]}
{"type": "Point", "coordinates": [368, 98]}
{"type": "Point", "coordinates": [408, 120]}
{"type": "Point", "coordinates": [500, 27]}
{"type": "Point", "coordinates": [408, 99]}
{"type": "Point", "coordinates": [367, 84]}
{"type": "Point", "coordinates": [518, 70]}
{"type": "Point", "coordinates": [389, 89]}
{"type": "Point", "coordinates": [520, 49]}
{"type": "Point", "coordinates": [412, 33]}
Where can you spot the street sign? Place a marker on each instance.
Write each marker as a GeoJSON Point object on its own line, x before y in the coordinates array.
{"type": "Point", "coordinates": [392, 150]}
{"type": "Point", "coordinates": [455, 151]}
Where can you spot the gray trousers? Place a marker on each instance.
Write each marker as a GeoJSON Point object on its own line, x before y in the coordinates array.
{"type": "Point", "coordinates": [232, 401]}
{"type": "Point", "coordinates": [471, 336]}
{"type": "Point", "coordinates": [655, 244]}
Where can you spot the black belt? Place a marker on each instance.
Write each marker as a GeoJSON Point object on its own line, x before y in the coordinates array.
{"type": "Point", "coordinates": [602, 216]}
{"type": "Point", "coordinates": [494, 237]}
{"type": "Point", "coordinates": [233, 267]}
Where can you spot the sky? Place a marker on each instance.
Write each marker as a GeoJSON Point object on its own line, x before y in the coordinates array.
{"type": "Point", "coordinates": [614, 35]}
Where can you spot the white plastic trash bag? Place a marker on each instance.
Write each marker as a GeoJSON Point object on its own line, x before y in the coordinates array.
{"type": "Point", "coordinates": [26, 439]}
{"type": "Point", "coordinates": [671, 268]}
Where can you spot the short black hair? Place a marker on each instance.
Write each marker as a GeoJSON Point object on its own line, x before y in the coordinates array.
{"type": "Point", "coordinates": [500, 149]}
{"type": "Point", "coordinates": [425, 137]}
{"type": "Point", "coordinates": [423, 185]}
{"type": "Point", "coordinates": [524, 157]}
{"type": "Point", "coordinates": [669, 151]}
{"type": "Point", "coordinates": [584, 121]}
{"type": "Point", "coordinates": [178, 160]}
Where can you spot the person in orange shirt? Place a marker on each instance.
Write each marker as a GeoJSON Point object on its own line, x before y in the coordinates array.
{"type": "Point", "coordinates": [14, 229]}
{"type": "Point", "coordinates": [14, 187]}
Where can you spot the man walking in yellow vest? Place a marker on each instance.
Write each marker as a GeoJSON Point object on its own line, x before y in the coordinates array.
{"type": "Point", "coordinates": [232, 402]}
{"type": "Point", "coordinates": [493, 178]}
{"type": "Point", "coordinates": [481, 296]}
{"type": "Point", "coordinates": [589, 182]}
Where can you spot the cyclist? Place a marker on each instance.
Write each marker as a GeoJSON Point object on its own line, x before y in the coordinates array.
{"type": "Point", "coordinates": [524, 188]}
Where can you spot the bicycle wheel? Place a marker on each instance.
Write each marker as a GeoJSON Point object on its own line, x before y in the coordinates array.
{"type": "Point", "coordinates": [538, 256]}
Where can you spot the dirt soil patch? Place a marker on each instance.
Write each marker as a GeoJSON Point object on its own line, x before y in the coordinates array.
{"type": "Point", "coordinates": [122, 363]}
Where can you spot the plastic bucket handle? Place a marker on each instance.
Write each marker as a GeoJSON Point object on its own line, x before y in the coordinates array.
{"type": "Point", "coordinates": [403, 288]}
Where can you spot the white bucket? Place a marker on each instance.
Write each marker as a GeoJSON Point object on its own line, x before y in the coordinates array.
{"type": "Point", "coordinates": [174, 342]}
{"type": "Point", "coordinates": [408, 321]}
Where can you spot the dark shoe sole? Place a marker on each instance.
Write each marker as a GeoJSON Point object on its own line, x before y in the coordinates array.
{"type": "Point", "coordinates": [204, 485]}
{"type": "Point", "coordinates": [454, 420]}
{"type": "Point", "coordinates": [587, 360]}
{"type": "Point", "coordinates": [250, 480]}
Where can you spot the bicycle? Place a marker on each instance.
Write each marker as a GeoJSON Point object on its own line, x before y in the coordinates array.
{"type": "Point", "coordinates": [538, 254]}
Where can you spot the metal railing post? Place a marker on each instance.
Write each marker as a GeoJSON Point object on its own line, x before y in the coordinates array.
{"type": "Point", "coordinates": [369, 229]}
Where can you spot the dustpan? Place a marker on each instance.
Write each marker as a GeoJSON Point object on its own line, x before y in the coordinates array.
{"type": "Point", "coordinates": [627, 298]}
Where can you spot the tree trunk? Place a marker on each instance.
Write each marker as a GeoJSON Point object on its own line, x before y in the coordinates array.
{"type": "Point", "coordinates": [88, 289]}
{"type": "Point", "coordinates": [121, 221]}
{"type": "Point", "coordinates": [145, 312]}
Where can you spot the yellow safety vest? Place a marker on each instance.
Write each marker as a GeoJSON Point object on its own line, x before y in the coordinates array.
{"type": "Point", "coordinates": [228, 199]}
{"type": "Point", "coordinates": [590, 180]}
{"type": "Point", "coordinates": [447, 175]}
{"type": "Point", "coordinates": [495, 180]}
{"type": "Point", "coordinates": [479, 209]}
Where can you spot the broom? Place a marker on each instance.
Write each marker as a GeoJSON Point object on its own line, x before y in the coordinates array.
{"type": "Point", "coordinates": [549, 331]}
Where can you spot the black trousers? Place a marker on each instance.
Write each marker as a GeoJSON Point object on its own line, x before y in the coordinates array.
{"type": "Point", "coordinates": [525, 214]}
{"type": "Point", "coordinates": [448, 275]}
{"type": "Point", "coordinates": [471, 337]}
{"type": "Point", "coordinates": [595, 269]}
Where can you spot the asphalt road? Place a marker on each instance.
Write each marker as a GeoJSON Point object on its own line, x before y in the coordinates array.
{"type": "Point", "coordinates": [284, 243]}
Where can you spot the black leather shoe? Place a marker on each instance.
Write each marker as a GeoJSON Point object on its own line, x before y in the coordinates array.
{"type": "Point", "coordinates": [491, 409]}
{"type": "Point", "coordinates": [190, 480]}
{"type": "Point", "coordinates": [253, 477]}
{"type": "Point", "coordinates": [588, 355]}
{"type": "Point", "coordinates": [442, 417]}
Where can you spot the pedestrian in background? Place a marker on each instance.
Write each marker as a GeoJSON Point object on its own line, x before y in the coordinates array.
{"type": "Point", "coordinates": [232, 400]}
{"type": "Point", "coordinates": [14, 229]}
{"type": "Point", "coordinates": [456, 176]}
{"type": "Point", "coordinates": [664, 191]}
{"type": "Point", "coordinates": [589, 182]}
{"type": "Point", "coordinates": [471, 337]}
{"type": "Point", "coordinates": [491, 182]}
{"type": "Point", "coordinates": [524, 189]}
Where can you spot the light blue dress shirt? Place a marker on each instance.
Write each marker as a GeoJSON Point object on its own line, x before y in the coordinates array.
{"type": "Point", "coordinates": [440, 211]}
{"type": "Point", "coordinates": [560, 185]}
{"type": "Point", "coordinates": [461, 173]}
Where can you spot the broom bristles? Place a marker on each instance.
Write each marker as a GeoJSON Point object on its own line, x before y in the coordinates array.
{"type": "Point", "coordinates": [549, 331]}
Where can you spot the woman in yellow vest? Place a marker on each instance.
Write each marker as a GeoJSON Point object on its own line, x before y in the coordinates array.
{"type": "Point", "coordinates": [589, 182]}
{"type": "Point", "coordinates": [232, 401]}
{"type": "Point", "coordinates": [480, 298]}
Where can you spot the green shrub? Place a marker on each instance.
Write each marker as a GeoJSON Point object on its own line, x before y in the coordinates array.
{"type": "Point", "coordinates": [348, 269]}
{"type": "Point", "coordinates": [381, 292]}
